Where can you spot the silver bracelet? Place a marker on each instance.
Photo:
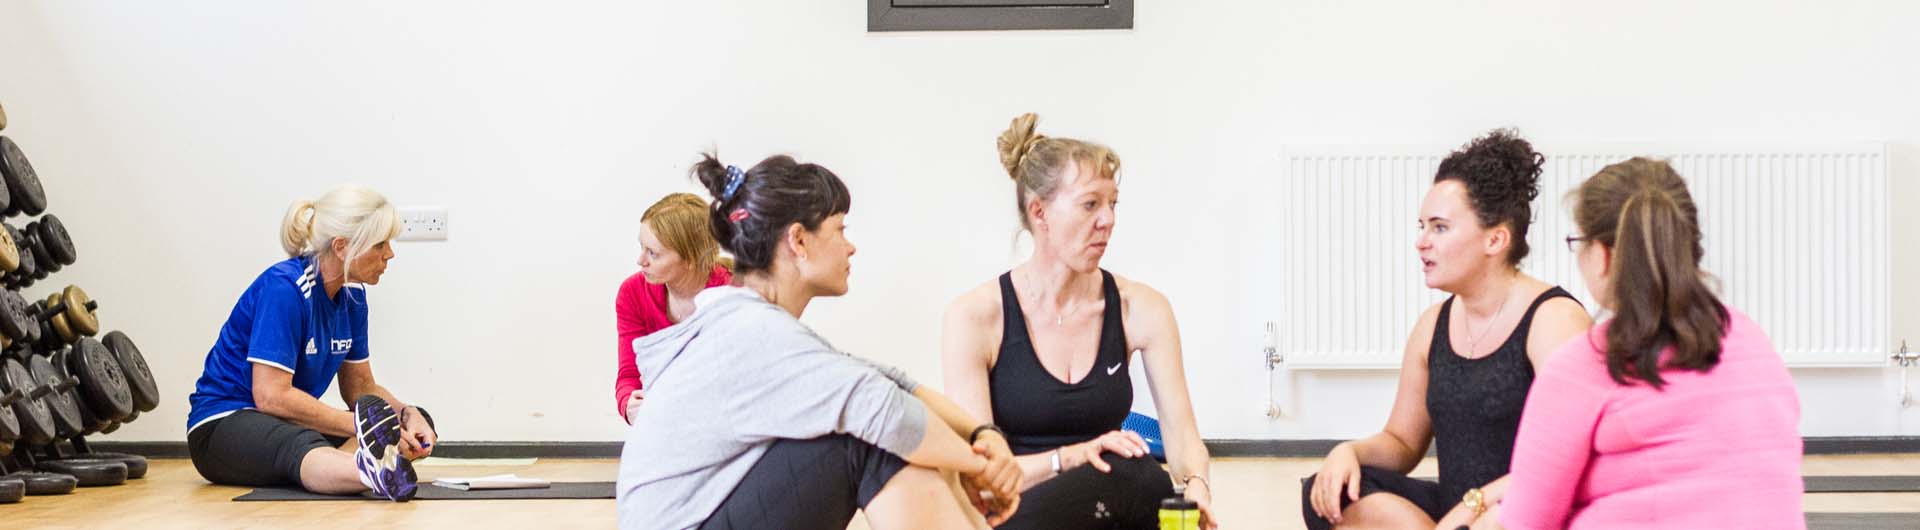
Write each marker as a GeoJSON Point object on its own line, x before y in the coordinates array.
{"type": "Point", "coordinates": [1203, 480]}
{"type": "Point", "coordinates": [1056, 460]}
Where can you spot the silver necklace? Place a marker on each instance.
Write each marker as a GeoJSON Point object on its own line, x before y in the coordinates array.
{"type": "Point", "coordinates": [1059, 316]}
{"type": "Point", "coordinates": [1473, 348]}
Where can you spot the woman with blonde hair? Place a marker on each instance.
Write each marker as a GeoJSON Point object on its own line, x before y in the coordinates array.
{"type": "Point", "coordinates": [1043, 352]}
{"type": "Point", "coordinates": [256, 417]}
{"type": "Point", "coordinates": [678, 259]}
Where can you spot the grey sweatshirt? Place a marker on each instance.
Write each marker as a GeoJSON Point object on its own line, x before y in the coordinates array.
{"type": "Point", "coordinates": [726, 383]}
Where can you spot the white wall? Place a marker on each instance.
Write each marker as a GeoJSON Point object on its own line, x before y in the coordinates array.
{"type": "Point", "coordinates": [172, 135]}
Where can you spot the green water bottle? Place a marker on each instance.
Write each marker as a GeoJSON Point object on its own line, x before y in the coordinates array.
{"type": "Point", "coordinates": [1178, 513]}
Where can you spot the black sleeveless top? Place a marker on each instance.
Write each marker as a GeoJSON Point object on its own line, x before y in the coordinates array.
{"type": "Point", "coordinates": [1475, 403]}
{"type": "Point", "coordinates": [1038, 411]}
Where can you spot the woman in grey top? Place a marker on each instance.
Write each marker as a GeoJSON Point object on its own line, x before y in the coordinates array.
{"type": "Point", "coordinates": [753, 421]}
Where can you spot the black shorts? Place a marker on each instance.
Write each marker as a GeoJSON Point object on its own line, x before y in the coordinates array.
{"type": "Point", "coordinates": [1429, 496]}
{"type": "Point", "coordinates": [812, 484]}
{"type": "Point", "coordinates": [1083, 498]}
{"type": "Point", "coordinates": [251, 448]}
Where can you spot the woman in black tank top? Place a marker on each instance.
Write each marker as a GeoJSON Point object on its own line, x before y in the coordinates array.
{"type": "Point", "coordinates": [1470, 359]}
{"type": "Point", "coordinates": [1046, 350]}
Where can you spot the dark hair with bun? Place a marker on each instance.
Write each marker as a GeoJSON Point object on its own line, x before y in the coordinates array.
{"type": "Point", "coordinates": [751, 221]}
{"type": "Point", "coordinates": [1502, 174]}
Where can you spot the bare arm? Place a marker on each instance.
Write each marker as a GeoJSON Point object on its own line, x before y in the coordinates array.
{"type": "Point", "coordinates": [942, 449]}
{"type": "Point", "coordinates": [274, 395]}
{"type": "Point", "coordinates": [356, 379]}
{"type": "Point", "coordinates": [1559, 320]}
{"type": "Point", "coordinates": [968, 337]}
{"type": "Point", "coordinates": [1152, 331]}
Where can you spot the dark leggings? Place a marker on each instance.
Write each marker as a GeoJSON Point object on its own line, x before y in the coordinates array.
{"type": "Point", "coordinates": [251, 448]}
{"type": "Point", "coordinates": [812, 484]}
{"type": "Point", "coordinates": [1429, 496]}
{"type": "Point", "coordinates": [1084, 498]}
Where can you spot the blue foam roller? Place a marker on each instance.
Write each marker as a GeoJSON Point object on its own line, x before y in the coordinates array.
{"type": "Point", "coordinates": [1148, 429]}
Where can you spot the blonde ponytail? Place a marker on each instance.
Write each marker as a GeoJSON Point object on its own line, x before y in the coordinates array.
{"type": "Point", "coordinates": [297, 228]}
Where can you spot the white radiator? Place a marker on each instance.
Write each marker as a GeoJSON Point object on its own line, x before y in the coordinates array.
{"type": "Point", "coordinates": [1797, 238]}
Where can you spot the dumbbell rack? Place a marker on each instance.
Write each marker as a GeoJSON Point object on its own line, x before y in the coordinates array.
{"type": "Point", "coordinates": [58, 384]}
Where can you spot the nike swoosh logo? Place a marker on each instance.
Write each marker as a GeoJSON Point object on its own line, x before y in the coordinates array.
{"type": "Point", "coordinates": [1115, 368]}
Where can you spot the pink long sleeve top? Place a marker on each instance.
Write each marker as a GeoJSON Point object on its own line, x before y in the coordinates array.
{"type": "Point", "coordinates": [640, 309]}
{"type": "Point", "coordinates": [1719, 449]}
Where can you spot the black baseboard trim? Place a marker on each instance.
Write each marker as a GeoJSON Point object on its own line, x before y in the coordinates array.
{"type": "Point", "coordinates": [1834, 445]}
{"type": "Point", "coordinates": [1853, 445]}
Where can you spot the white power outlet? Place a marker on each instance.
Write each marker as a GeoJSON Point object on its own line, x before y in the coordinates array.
{"type": "Point", "coordinates": [423, 223]}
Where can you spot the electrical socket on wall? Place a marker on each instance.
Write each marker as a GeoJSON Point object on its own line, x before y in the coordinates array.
{"type": "Point", "coordinates": [423, 223]}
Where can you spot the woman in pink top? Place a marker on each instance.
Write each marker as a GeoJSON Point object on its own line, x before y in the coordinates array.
{"type": "Point", "coordinates": [678, 259]}
{"type": "Point", "coordinates": [1677, 412]}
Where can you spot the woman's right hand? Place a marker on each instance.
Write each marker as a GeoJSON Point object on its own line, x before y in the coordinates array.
{"type": "Point", "coordinates": [1123, 443]}
{"type": "Point", "coordinates": [633, 405]}
{"type": "Point", "coordinates": [1340, 474]}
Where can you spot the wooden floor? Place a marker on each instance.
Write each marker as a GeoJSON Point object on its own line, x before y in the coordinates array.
{"type": "Point", "coordinates": [1255, 493]}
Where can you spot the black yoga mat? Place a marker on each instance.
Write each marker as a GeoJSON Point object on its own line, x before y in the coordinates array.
{"type": "Point", "coordinates": [430, 492]}
{"type": "Point", "coordinates": [1863, 484]}
{"type": "Point", "coordinates": [1863, 521]}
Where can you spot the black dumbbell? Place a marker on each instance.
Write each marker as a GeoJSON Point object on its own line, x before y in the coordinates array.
{"type": "Point", "coordinates": [67, 317]}
{"type": "Point", "coordinates": [89, 357]}
{"type": "Point", "coordinates": [31, 406]}
{"type": "Point", "coordinates": [23, 184]}
{"type": "Point", "coordinates": [35, 417]}
{"type": "Point", "coordinates": [10, 395]}
{"type": "Point", "coordinates": [102, 385]}
{"type": "Point", "coordinates": [146, 390]}
{"type": "Point", "coordinates": [18, 324]}
{"type": "Point", "coordinates": [52, 244]}
{"type": "Point", "coordinates": [63, 400]}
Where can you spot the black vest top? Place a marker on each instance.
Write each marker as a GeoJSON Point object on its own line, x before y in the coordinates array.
{"type": "Point", "coordinates": [1475, 403]}
{"type": "Point", "coordinates": [1039, 411]}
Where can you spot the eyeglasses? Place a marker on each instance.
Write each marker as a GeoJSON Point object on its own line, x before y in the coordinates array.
{"type": "Point", "coordinates": [1573, 243]}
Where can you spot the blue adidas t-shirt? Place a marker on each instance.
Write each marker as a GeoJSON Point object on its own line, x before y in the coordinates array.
{"type": "Point", "coordinates": [284, 321]}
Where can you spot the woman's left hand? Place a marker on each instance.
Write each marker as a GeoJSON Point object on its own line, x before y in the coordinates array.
{"type": "Point", "coordinates": [1201, 494]}
{"type": "Point", "coordinates": [416, 436]}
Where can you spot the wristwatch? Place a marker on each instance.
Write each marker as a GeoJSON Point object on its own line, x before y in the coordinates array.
{"type": "Point", "coordinates": [984, 427]}
{"type": "Point", "coordinates": [1474, 500]}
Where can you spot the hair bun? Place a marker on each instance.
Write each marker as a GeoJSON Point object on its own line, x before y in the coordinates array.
{"type": "Point", "coordinates": [1017, 141]}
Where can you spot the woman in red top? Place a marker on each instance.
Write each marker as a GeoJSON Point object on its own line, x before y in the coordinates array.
{"type": "Point", "coordinates": [678, 259]}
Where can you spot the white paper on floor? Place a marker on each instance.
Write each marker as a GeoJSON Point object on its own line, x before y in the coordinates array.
{"type": "Point", "coordinates": [442, 461]}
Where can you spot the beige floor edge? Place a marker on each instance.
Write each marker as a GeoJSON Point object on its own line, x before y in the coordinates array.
{"type": "Point", "coordinates": [1254, 493]}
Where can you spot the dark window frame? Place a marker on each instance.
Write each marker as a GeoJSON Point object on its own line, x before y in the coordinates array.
{"type": "Point", "coordinates": [885, 15]}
